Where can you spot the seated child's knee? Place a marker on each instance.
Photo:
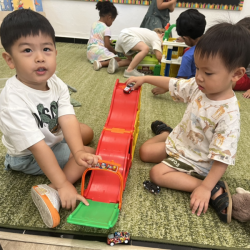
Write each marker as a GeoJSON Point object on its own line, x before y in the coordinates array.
{"type": "Point", "coordinates": [153, 173]}
{"type": "Point", "coordinates": [144, 152]}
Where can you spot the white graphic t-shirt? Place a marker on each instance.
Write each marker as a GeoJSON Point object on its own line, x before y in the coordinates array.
{"type": "Point", "coordinates": [28, 116]}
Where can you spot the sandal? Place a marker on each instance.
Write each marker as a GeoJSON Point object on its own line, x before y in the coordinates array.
{"type": "Point", "coordinates": [222, 202]}
{"type": "Point", "coordinates": [159, 126]}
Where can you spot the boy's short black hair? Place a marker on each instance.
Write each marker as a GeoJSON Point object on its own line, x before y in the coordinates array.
{"type": "Point", "coordinates": [22, 23]}
{"type": "Point", "coordinates": [191, 23]}
{"type": "Point", "coordinates": [245, 22]}
{"type": "Point", "coordinates": [229, 41]}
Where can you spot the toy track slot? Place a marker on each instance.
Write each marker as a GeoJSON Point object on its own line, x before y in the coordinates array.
{"type": "Point", "coordinates": [103, 187]}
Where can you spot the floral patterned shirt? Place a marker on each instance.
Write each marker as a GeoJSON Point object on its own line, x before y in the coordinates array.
{"type": "Point", "coordinates": [208, 131]}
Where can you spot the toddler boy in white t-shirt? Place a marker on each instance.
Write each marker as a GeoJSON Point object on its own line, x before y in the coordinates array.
{"type": "Point", "coordinates": [40, 130]}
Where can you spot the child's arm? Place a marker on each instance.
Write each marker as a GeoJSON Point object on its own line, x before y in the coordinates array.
{"type": "Point", "coordinates": [170, 4]}
{"type": "Point", "coordinates": [159, 81]}
{"type": "Point", "coordinates": [72, 134]}
{"type": "Point", "coordinates": [49, 165]}
{"type": "Point", "coordinates": [158, 55]}
{"type": "Point", "coordinates": [201, 195]}
{"type": "Point", "coordinates": [108, 45]}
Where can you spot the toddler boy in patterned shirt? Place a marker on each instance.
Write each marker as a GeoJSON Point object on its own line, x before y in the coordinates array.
{"type": "Point", "coordinates": [204, 143]}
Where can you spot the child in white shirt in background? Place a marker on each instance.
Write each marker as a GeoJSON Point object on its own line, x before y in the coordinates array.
{"type": "Point", "coordinates": [141, 40]}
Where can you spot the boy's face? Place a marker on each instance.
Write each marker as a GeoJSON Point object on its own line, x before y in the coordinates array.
{"type": "Point", "coordinates": [34, 58]}
{"type": "Point", "coordinates": [214, 79]}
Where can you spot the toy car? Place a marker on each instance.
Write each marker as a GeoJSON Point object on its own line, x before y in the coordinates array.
{"type": "Point", "coordinates": [151, 187]}
{"type": "Point", "coordinates": [117, 238]}
{"type": "Point", "coordinates": [128, 89]}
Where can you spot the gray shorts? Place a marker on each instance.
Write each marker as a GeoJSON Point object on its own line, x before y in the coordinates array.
{"type": "Point", "coordinates": [125, 43]}
{"type": "Point", "coordinates": [28, 165]}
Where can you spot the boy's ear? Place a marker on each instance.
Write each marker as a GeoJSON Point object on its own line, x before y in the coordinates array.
{"type": "Point", "coordinates": [8, 59]}
{"type": "Point", "coordinates": [238, 73]}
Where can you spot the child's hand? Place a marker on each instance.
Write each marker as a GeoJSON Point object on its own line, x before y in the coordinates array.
{"type": "Point", "coordinates": [200, 199]}
{"type": "Point", "coordinates": [68, 195]}
{"type": "Point", "coordinates": [86, 159]}
{"type": "Point", "coordinates": [137, 80]}
{"type": "Point", "coordinates": [247, 94]}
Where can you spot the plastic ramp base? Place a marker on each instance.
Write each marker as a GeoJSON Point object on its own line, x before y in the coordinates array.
{"type": "Point", "coordinates": [97, 214]}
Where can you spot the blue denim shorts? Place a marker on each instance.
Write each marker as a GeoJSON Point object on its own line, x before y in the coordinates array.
{"type": "Point", "coordinates": [28, 165]}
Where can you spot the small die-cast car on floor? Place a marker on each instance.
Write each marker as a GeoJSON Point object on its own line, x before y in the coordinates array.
{"type": "Point", "coordinates": [151, 187]}
{"type": "Point", "coordinates": [117, 238]}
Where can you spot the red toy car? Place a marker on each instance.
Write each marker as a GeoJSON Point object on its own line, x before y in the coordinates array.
{"type": "Point", "coordinates": [128, 89]}
{"type": "Point", "coordinates": [117, 238]}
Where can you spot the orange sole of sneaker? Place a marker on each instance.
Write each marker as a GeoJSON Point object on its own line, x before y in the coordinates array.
{"type": "Point", "coordinates": [49, 214]}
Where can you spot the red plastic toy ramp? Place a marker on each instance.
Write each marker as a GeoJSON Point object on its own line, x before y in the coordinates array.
{"type": "Point", "coordinates": [104, 186]}
{"type": "Point", "coordinates": [115, 147]}
{"type": "Point", "coordinates": [123, 108]}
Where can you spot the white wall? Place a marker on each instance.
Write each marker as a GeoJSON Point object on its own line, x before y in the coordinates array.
{"type": "Point", "coordinates": [73, 18]}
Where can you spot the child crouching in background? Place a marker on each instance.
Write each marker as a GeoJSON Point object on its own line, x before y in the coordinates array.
{"type": "Point", "coordinates": [132, 40]}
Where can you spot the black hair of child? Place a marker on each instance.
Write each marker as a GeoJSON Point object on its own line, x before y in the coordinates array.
{"type": "Point", "coordinates": [245, 22]}
{"type": "Point", "coordinates": [23, 23]}
{"type": "Point", "coordinates": [228, 41]}
{"type": "Point", "coordinates": [106, 8]}
{"type": "Point", "coordinates": [191, 23]}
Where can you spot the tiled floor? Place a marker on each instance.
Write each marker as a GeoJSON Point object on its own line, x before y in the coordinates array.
{"type": "Point", "coordinates": [54, 239]}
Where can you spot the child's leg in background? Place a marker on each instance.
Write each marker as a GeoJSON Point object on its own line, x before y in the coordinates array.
{"type": "Point", "coordinates": [117, 62]}
{"type": "Point", "coordinates": [104, 63]}
{"type": "Point", "coordinates": [99, 64]}
{"type": "Point", "coordinates": [143, 50]}
{"type": "Point", "coordinates": [243, 84]}
{"type": "Point", "coordinates": [123, 62]}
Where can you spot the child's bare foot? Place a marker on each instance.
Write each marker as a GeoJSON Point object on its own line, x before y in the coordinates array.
{"type": "Point", "coordinates": [158, 91]}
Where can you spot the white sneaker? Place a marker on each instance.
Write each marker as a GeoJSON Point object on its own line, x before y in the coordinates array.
{"type": "Point", "coordinates": [48, 202]}
{"type": "Point", "coordinates": [97, 65]}
{"type": "Point", "coordinates": [134, 72]}
{"type": "Point", "coordinates": [113, 66]}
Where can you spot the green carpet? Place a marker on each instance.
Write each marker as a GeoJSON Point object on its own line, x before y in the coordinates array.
{"type": "Point", "coordinates": [163, 218]}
